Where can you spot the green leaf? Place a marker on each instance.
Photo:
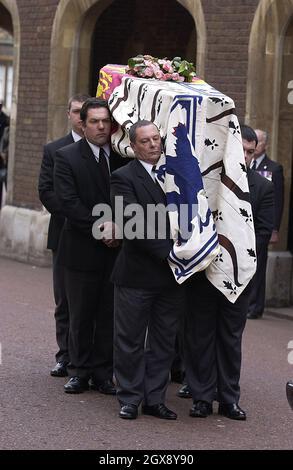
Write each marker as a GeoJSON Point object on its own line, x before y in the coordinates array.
{"type": "Point", "coordinates": [133, 61]}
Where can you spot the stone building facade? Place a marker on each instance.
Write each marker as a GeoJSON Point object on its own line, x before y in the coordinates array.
{"type": "Point", "coordinates": [242, 47]}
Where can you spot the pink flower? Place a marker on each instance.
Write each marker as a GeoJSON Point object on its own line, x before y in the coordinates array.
{"type": "Point", "coordinates": [148, 72]}
{"type": "Point", "coordinates": [162, 69]}
{"type": "Point", "coordinates": [168, 67]}
{"type": "Point", "coordinates": [175, 76]}
{"type": "Point", "coordinates": [159, 74]}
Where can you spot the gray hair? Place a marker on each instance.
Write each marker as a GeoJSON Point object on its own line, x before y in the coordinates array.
{"type": "Point", "coordinates": [137, 125]}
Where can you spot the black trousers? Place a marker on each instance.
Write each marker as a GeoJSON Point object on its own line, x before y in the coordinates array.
{"type": "Point", "coordinates": [213, 336]}
{"type": "Point", "coordinates": [258, 282]}
{"type": "Point", "coordinates": [90, 298]}
{"type": "Point", "coordinates": [61, 310]}
{"type": "Point", "coordinates": [145, 327]}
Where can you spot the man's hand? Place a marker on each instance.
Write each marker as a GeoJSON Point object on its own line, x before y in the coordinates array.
{"type": "Point", "coordinates": [274, 237]}
{"type": "Point", "coordinates": [111, 234]}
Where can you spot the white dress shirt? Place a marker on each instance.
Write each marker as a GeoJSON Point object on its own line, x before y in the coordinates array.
{"type": "Point", "coordinates": [257, 161]}
{"type": "Point", "coordinates": [76, 137]}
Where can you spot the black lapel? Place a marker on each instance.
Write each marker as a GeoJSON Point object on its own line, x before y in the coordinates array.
{"type": "Point", "coordinates": [115, 161]}
{"type": "Point", "coordinates": [93, 168]}
{"type": "Point", "coordinates": [68, 139]}
{"type": "Point", "coordinates": [263, 164]}
{"type": "Point", "coordinates": [153, 188]}
{"type": "Point", "coordinates": [250, 178]}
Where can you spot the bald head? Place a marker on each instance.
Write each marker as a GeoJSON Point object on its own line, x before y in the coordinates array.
{"type": "Point", "coordinates": [262, 137]}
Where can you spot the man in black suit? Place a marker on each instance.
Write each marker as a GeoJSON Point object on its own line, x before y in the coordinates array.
{"type": "Point", "coordinates": [4, 120]}
{"type": "Point", "coordinates": [82, 180]}
{"type": "Point", "coordinates": [273, 171]}
{"type": "Point", "coordinates": [214, 325]}
{"type": "Point", "coordinates": [49, 200]}
{"type": "Point", "coordinates": [289, 392]}
{"type": "Point", "coordinates": [148, 301]}
{"type": "Point", "coordinates": [4, 126]}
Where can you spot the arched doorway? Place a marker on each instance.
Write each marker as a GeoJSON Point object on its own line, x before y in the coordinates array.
{"type": "Point", "coordinates": [74, 60]}
{"type": "Point", "coordinates": [9, 60]}
{"type": "Point", "coordinates": [170, 32]}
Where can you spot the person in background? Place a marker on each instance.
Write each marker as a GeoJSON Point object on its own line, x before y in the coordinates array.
{"type": "Point", "coordinates": [4, 146]}
{"type": "Point", "coordinates": [4, 120]}
{"type": "Point", "coordinates": [273, 171]}
{"type": "Point", "coordinates": [49, 199]}
{"type": "Point", "coordinates": [82, 181]}
{"type": "Point", "coordinates": [289, 393]}
{"type": "Point", "coordinates": [4, 128]}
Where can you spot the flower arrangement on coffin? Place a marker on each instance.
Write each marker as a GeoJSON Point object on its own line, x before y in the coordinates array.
{"type": "Point", "coordinates": [147, 66]}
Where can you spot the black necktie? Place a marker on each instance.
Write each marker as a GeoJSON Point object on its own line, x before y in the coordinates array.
{"type": "Point", "coordinates": [154, 173]}
{"type": "Point", "coordinates": [103, 164]}
{"type": "Point", "coordinates": [254, 165]}
{"type": "Point", "coordinates": [104, 168]}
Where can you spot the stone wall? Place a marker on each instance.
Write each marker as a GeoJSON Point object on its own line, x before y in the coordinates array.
{"type": "Point", "coordinates": [228, 25]}
{"type": "Point", "coordinates": [36, 19]}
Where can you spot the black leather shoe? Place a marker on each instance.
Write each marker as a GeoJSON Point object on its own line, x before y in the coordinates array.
{"type": "Point", "coordinates": [160, 411]}
{"type": "Point", "coordinates": [184, 392]}
{"type": "Point", "coordinates": [253, 316]}
{"type": "Point", "coordinates": [201, 409]}
{"type": "Point", "coordinates": [289, 392]}
{"type": "Point", "coordinates": [107, 387]}
{"type": "Point", "coordinates": [232, 411]}
{"type": "Point", "coordinates": [76, 385]}
{"type": "Point", "coordinates": [128, 412]}
{"type": "Point", "coordinates": [60, 370]}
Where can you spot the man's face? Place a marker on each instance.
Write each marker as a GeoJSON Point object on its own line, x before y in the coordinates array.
{"type": "Point", "coordinates": [74, 116]}
{"type": "Point", "coordinates": [248, 149]}
{"type": "Point", "coordinates": [147, 146]}
{"type": "Point", "coordinates": [261, 146]}
{"type": "Point", "coordinates": [97, 128]}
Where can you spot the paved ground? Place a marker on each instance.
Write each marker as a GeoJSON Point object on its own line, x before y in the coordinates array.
{"type": "Point", "coordinates": [35, 413]}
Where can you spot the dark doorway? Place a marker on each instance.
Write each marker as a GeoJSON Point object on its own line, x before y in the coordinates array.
{"type": "Point", "coordinates": [162, 28]}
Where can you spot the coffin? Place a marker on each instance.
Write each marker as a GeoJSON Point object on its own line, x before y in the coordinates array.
{"type": "Point", "coordinates": [202, 165]}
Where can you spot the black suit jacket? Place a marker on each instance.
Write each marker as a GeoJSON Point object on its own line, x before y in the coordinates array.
{"type": "Point", "coordinates": [79, 187]}
{"type": "Point", "coordinates": [278, 179]}
{"type": "Point", "coordinates": [4, 122]}
{"type": "Point", "coordinates": [46, 189]}
{"type": "Point", "coordinates": [141, 263]}
{"type": "Point", "coordinates": [262, 202]}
